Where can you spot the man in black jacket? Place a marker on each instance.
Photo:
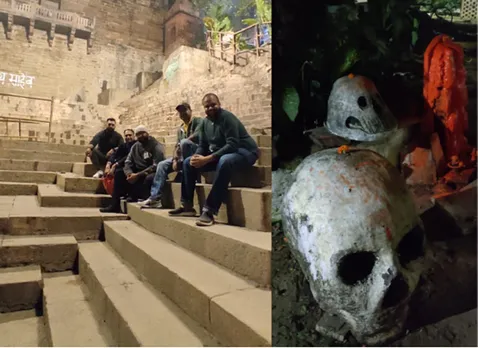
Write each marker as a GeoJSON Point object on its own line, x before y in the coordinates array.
{"type": "Point", "coordinates": [117, 159]}
{"type": "Point", "coordinates": [224, 147]}
{"type": "Point", "coordinates": [137, 175]}
{"type": "Point", "coordinates": [103, 144]}
{"type": "Point", "coordinates": [186, 145]}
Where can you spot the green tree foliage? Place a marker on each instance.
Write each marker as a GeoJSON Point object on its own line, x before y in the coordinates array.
{"type": "Point", "coordinates": [262, 10]}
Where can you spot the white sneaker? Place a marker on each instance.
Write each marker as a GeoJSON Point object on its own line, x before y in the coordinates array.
{"type": "Point", "coordinates": [98, 174]}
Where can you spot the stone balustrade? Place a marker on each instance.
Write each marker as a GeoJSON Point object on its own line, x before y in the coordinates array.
{"type": "Point", "coordinates": [55, 17]}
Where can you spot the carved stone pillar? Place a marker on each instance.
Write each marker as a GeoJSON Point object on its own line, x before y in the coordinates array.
{"type": "Point", "coordinates": [71, 38]}
{"type": "Point", "coordinates": [9, 27]}
{"type": "Point", "coordinates": [31, 30]}
{"type": "Point", "coordinates": [51, 35]}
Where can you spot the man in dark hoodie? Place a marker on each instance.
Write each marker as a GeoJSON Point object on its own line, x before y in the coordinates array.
{"type": "Point", "coordinates": [186, 146]}
{"type": "Point", "coordinates": [139, 167]}
{"type": "Point", "coordinates": [117, 159]}
{"type": "Point", "coordinates": [224, 147]}
{"type": "Point", "coordinates": [102, 146]}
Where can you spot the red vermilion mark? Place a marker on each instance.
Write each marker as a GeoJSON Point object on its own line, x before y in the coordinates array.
{"type": "Point", "coordinates": [389, 233]}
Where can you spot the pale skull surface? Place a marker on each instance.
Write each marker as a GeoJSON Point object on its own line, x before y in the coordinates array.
{"type": "Point", "coordinates": [353, 227]}
{"type": "Point", "coordinates": [356, 111]}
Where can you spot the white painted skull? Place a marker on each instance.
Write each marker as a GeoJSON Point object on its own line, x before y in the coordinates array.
{"type": "Point", "coordinates": [356, 111]}
{"type": "Point", "coordinates": [353, 227]}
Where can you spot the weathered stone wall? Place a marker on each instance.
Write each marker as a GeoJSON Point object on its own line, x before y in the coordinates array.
{"type": "Point", "coordinates": [188, 74]}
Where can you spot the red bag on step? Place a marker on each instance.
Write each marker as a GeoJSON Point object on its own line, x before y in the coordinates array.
{"type": "Point", "coordinates": [108, 183]}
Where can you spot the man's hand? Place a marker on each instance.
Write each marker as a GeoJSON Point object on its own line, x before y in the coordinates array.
{"type": "Point", "coordinates": [132, 178]}
{"type": "Point", "coordinates": [88, 152]}
{"type": "Point", "coordinates": [107, 168]}
{"type": "Point", "coordinates": [113, 168]}
{"type": "Point", "coordinates": [175, 165]}
{"type": "Point", "coordinates": [198, 161]}
{"type": "Point", "coordinates": [110, 152]}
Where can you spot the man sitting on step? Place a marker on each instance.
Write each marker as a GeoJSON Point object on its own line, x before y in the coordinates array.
{"type": "Point", "coordinates": [102, 146]}
{"type": "Point", "coordinates": [224, 147]}
{"type": "Point", "coordinates": [117, 159]}
{"type": "Point", "coordinates": [137, 175]}
{"type": "Point", "coordinates": [186, 145]}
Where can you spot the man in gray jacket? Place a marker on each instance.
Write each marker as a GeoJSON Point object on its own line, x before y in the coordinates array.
{"type": "Point", "coordinates": [137, 175]}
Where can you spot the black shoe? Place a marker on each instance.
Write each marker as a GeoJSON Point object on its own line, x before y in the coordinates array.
{"type": "Point", "coordinates": [181, 211]}
{"type": "Point", "coordinates": [206, 219]}
{"type": "Point", "coordinates": [110, 209]}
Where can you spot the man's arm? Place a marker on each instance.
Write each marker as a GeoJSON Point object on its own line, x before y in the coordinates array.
{"type": "Point", "coordinates": [231, 132]}
{"type": "Point", "coordinates": [196, 125]}
{"type": "Point", "coordinates": [95, 141]}
{"type": "Point", "coordinates": [203, 144]}
{"type": "Point", "coordinates": [128, 163]}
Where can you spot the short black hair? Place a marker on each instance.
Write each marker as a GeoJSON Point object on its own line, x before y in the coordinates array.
{"type": "Point", "coordinates": [129, 129]}
{"type": "Point", "coordinates": [211, 95]}
{"type": "Point", "coordinates": [111, 119]}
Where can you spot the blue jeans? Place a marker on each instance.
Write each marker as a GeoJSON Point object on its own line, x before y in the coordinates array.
{"type": "Point", "coordinates": [226, 166]}
{"type": "Point", "coordinates": [188, 148]}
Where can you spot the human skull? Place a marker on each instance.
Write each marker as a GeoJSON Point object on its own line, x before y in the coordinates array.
{"type": "Point", "coordinates": [353, 227]}
{"type": "Point", "coordinates": [356, 111]}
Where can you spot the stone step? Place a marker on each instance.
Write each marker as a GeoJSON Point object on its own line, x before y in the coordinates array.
{"type": "Point", "coordinates": [47, 166]}
{"type": "Point", "coordinates": [257, 176]}
{"type": "Point", "coordinates": [70, 182]}
{"type": "Point", "coordinates": [26, 176]}
{"type": "Point", "coordinates": [245, 207]}
{"type": "Point", "coordinates": [22, 329]}
{"type": "Point", "coordinates": [135, 314]}
{"type": "Point", "coordinates": [262, 140]}
{"type": "Point", "coordinates": [40, 155]}
{"type": "Point", "coordinates": [41, 146]}
{"type": "Point", "coordinates": [265, 158]}
{"type": "Point", "coordinates": [69, 316]}
{"type": "Point", "coordinates": [231, 308]}
{"type": "Point", "coordinates": [25, 217]}
{"type": "Point", "coordinates": [20, 288]}
{"type": "Point", "coordinates": [53, 196]}
{"type": "Point", "coordinates": [241, 250]}
{"type": "Point", "coordinates": [52, 253]}
{"type": "Point", "coordinates": [84, 169]}
{"type": "Point", "coordinates": [17, 188]}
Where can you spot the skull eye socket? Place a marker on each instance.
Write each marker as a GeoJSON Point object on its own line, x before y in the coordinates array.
{"type": "Point", "coordinates": [356, 267]}
{"type": "Point", "coordinates": [362, 102]}
{"type": "Point", "coordinates": [411, 247]}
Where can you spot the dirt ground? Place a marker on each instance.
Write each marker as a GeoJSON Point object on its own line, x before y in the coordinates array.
{"type": "Point", "coordinates": [439, 311]}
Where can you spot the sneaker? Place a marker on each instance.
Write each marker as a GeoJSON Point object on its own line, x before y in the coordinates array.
{"type": "Point", "coordinates": [152, 203]}
{"type": "Point", "coordinates": [110, 209]}
{"type": "Point", "coordinates": [98, 174]}
{"type": "Point", "coordinates": [206, 219]}
{"type": "Point", "coordinates": [181, 211]}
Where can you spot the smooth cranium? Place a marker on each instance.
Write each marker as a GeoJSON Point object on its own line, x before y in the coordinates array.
{"type": "Point", "coordinates": [356, 111]}
{"type": "Point", "coordinates": [354, 229]}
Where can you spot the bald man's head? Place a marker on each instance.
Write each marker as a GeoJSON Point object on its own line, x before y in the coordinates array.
{"type": "Point", "coordinates": [211, 105]}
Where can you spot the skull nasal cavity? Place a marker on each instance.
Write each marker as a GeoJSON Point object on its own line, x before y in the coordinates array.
{"type": "Point", "coordinates": [362, 102]}
{"type": "Point", "coordinates": [397, 291]}
{"type": "Point", "coordinates": [356, 267]}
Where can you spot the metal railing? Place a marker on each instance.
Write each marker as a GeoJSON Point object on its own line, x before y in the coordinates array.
{"type": "Point", "coordinates": [20, 121]}
{"type": "Point", "coordinates": [252, 39]}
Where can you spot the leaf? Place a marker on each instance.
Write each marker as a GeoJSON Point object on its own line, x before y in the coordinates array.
{"type": "Point", "coordinates": [290, 102]}
{"type": "Point", "coordinates": [414, 38]}
{"type": "Point", "coordinates": [250, 21]}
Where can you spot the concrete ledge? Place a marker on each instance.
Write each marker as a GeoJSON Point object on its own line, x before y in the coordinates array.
{"type": "Point", "coordinates": [41, 146]}
{"type": "Point", "coordinates": [241, 250]}
{"type": "Point", "coordinates": [20, 288]}
{"type": "Point", "coordinates": [40, 155]}
{"type": "Point", "coordinates": [53, 196]}
{"type": "Point", "coordinates": [245, 207]}
{"type": "Point", "coordinates": [70, 182]}
{"type": "Point", "coordinates": [254, 177]}
{"type": "Point", "coordinates": [52, 166]}
{"type": "Point", "coordinates": [192, 282]}
{"type": "Point", "coordinates": [52, 253]}
{"type": "Point", "coordinates": [84, 169]}
{"type": "Point", "coordinates": [263, 140]}
{"type": "Point", "coordinates": [22, 329]}
{"type": "Point", "coordinates": [70, 320]}
{"type": "Point", "coordinates": [17, 188]}
{"type": "Point", "coordinates": [265, 159]}
{"type": "Point", "coordinates": [131, 311]}
{"type": "Point", "coordinates": [37, 177]}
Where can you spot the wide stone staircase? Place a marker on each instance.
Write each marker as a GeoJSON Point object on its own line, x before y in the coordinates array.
{"type": "Point", "coordinates": [72, 276]}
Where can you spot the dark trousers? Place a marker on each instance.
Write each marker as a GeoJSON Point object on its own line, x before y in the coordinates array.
{"type": "Point", "coordinates": [98, 159]}
{"type": "Point", "coordinates": [224, 168]}
{"type": "Point", "coordinates": [138, 190]}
